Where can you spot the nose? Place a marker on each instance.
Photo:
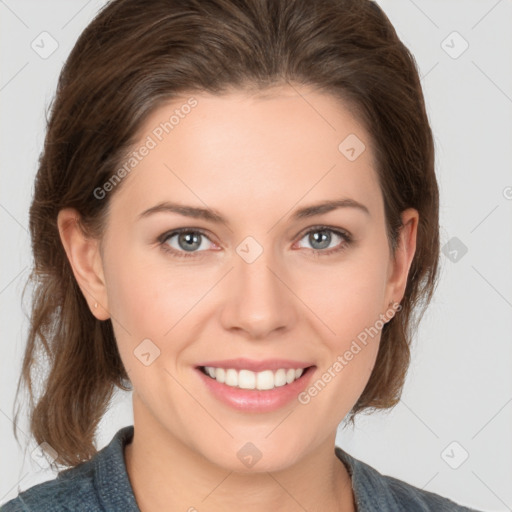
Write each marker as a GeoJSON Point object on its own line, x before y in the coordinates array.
{"type": "Point", "coordinates": [259, 300]}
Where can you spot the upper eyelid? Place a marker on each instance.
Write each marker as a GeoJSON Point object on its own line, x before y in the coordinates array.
{"type": "Point", "coordinates": [321, 227]}
{"type": "Point", "coordinates": [173, 232]}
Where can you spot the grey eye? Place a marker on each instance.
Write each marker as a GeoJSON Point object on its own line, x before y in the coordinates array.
{"type": "Point", "coordinates": [321, 238]}
{"type": "Point", "coordinates": [188, 241]}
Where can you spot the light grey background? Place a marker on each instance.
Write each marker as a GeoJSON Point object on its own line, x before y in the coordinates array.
{"type": "Point", "coordinates": [457, 401]}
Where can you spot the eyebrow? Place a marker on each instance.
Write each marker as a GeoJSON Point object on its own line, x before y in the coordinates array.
{"type": "Point", "coordinates": [212, 215]}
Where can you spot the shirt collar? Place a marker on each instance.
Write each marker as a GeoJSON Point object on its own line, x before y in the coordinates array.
{"type": "Point", "coordinates": [111, 477]}
{"type": "Point", "coordinates": [371, 491]}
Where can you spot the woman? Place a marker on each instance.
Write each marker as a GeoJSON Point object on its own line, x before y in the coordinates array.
{"type": "Point", "coordinates": [235, 216]}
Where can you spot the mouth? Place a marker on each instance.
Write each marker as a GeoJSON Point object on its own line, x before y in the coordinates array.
{"type": "Point", "coordinates": [264, 380]}
{"type": "Point", "coordinates": [255, 386]}
{"type": "Point", "coordinates": [259, 392]}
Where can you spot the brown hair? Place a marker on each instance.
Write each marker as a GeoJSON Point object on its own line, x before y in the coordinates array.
{"type": "Point", "coordinates": [129, 60]}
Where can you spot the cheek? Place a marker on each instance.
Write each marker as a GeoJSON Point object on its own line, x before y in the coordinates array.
{"type": "Point", "coordinates": [147, 292]}
{"type": "Point", "coordinates": [347, 297]}
{"type": "Point", "coordinates": [152, 298]}
{"type": "Point", "coordinates": [351, 311]}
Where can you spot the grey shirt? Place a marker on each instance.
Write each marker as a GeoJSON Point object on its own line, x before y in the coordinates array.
{"type": "Point", "coordinates": [102, 484]}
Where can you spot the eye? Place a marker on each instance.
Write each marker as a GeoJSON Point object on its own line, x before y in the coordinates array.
{"type": "Point", "coordinates": [321, 238]}
{"type": "Point", "coordinates": [186, 242]}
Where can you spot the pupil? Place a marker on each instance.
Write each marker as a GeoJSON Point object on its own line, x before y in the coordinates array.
{"type": "Point", "coordinates": [191, 241]}
{"type": "Point", "coordinates": [324, 237]}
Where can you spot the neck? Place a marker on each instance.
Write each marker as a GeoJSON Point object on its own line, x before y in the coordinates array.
{"type": "Point", "coordinates": [167, 474]}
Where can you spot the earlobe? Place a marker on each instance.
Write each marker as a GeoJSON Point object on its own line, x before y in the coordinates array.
{"type": "Point", "coordinates": [404, 255]}
{"type": "Point", "coordinates": [85, 260]}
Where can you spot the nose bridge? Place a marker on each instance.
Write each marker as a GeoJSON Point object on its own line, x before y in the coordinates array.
{"type": "Point", "coordinates": [259, 301]}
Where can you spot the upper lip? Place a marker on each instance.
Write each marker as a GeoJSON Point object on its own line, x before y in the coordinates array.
{"type": "Point", "coordinates": [256, 366]}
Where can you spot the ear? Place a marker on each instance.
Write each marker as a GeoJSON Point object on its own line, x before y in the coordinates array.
{"type": "Point", "coordinates": [85, 259]}
{"type": "Point", "coordinates": [404, 254]}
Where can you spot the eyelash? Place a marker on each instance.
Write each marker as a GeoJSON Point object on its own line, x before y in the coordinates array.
{"type": "Point", "coordinates": [347, 240]}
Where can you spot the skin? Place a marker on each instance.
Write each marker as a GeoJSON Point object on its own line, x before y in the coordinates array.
{"type": "Point", "coordinates": [255, 160]}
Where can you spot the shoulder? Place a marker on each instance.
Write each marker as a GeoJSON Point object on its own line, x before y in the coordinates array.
{"type": "Point", "coordinates": [73, 489]}
{"type": "Point", "coordinates": [85, 487]}
{"type": "Point", "coordinates": [414, 498]}
{"type": "Point", "coordinates": [377, 492]}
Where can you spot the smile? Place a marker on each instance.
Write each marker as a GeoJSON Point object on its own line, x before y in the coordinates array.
{"type": "Point", "coordinates": [255, 391]}
{"type": "Point", "coordinates": [247, 379]}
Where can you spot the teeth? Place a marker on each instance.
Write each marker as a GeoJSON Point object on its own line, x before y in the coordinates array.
{"type": "Point", "coordinates": [246, 379]}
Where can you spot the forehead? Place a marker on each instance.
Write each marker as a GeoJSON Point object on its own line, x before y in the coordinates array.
{"type": "Point", "coordinates": [274, 149]}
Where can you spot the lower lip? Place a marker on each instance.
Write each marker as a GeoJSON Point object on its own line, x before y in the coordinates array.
{"type": "Point", "coordinates": [256, 400]}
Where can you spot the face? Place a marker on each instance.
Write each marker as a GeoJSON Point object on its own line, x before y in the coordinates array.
{"type": "Point", "coordinates": [256, 274]}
